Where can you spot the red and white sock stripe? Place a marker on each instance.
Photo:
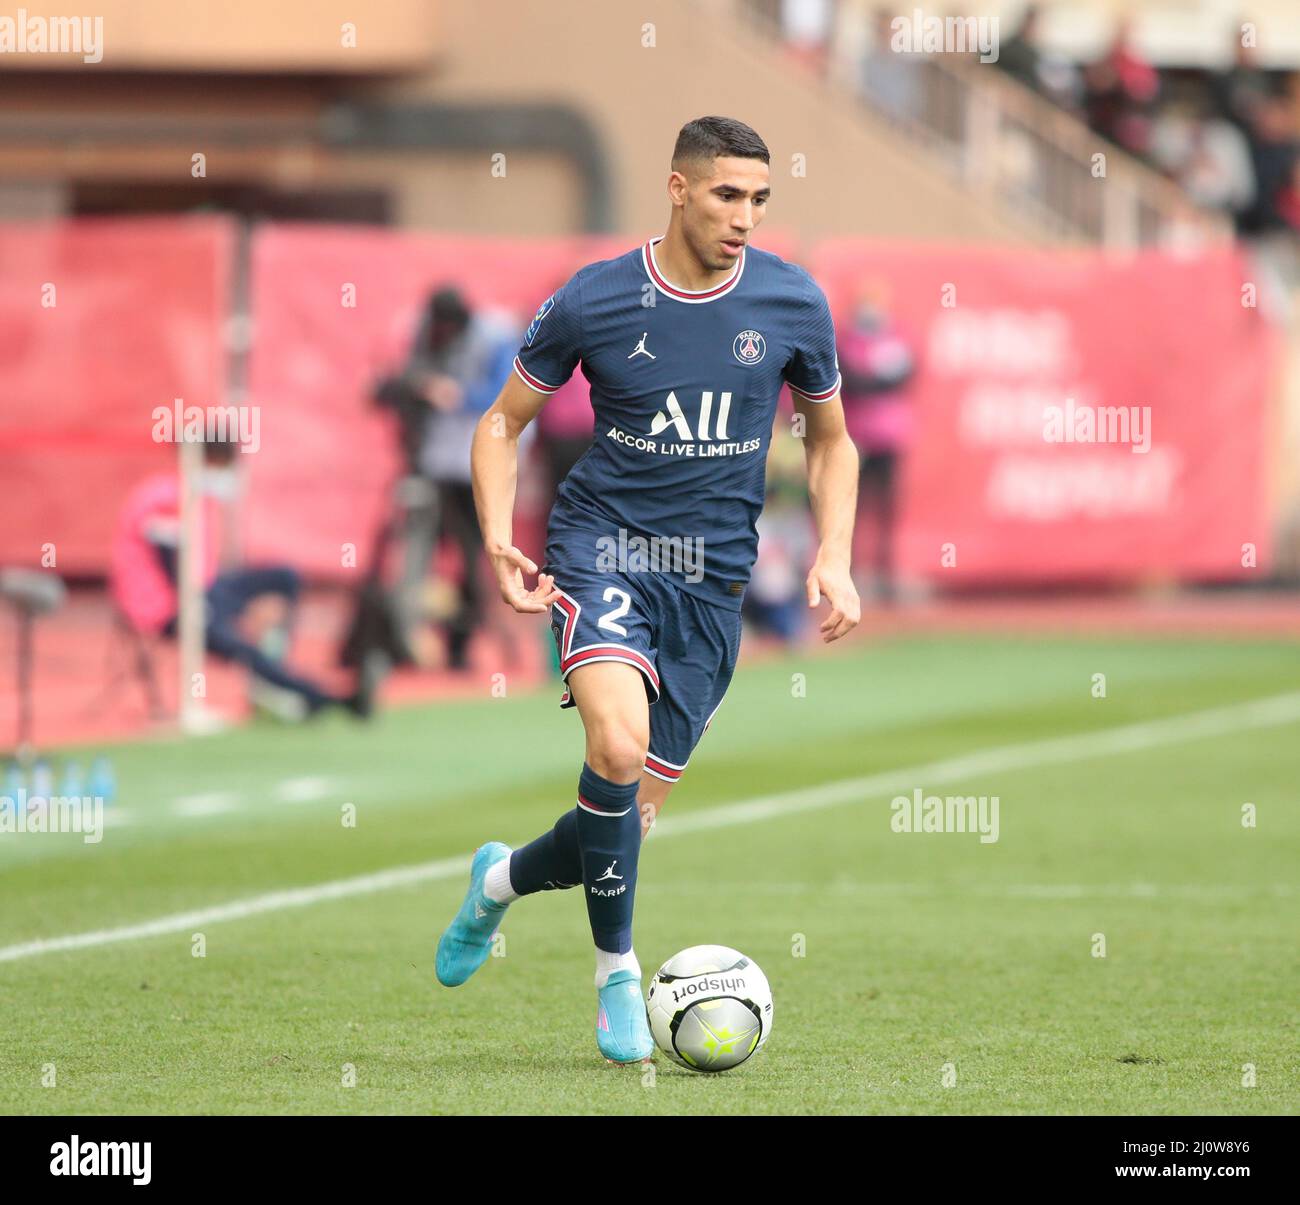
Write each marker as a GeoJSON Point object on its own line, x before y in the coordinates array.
{"type": "Point", "coordinates": [596, 810]}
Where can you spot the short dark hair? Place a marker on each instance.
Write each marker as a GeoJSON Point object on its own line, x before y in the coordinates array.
{"type": "Point", "coordinates": [705, 138]}
{"type": "Point", "coordinates": [448, 305]}
{"type": "Point", "coordinates": [220, 451]}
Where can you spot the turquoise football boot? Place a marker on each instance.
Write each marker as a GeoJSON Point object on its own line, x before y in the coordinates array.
{"type": "Point", "coordinates": [622, 1028]}
{"type": "Point", "coordinates": [467, 941]}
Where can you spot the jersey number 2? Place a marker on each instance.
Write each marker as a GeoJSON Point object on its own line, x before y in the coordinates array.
{"type": "Point", "coordinates": [606, 621]}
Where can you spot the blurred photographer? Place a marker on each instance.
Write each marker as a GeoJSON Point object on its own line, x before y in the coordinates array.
{"type": "Point", "coordinates": [458, 362]}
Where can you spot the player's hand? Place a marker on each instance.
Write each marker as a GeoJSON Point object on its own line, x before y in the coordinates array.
{"type": "Point", "coordinates": [511, 565]}
{"type": "Point", "coordinates": [835, 584]}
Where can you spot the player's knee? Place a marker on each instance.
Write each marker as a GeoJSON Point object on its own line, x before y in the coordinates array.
{"type": "Point", "coordinates": [616, 752]}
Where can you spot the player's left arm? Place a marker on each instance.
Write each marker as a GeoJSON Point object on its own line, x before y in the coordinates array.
{"type": "Point", "coordinates": [833, 493]}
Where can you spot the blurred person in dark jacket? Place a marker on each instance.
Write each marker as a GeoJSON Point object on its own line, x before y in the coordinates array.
{"type": "Point", "coordinates": [458, 362]}
{"type": "Point", "coordinates": [1019, 55]}
{"type": "Point", "coordinates": [1274, 151]}
{"type": "Point", "coordinates": [1240, 91]}
{"type": "Point", "coordinates": [1023, 58]}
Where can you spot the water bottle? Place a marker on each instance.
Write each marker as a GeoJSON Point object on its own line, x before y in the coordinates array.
{"type": "Point", "coordinates": [74, 782]}
{"type": "Point", "coordinates": [42, 785]}
{"type": "Point", "coordinates": [102, 782]}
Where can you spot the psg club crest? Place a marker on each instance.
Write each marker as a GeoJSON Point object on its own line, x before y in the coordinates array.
{"type": "Point", "coordinates": [749, 347]}
{"type": "Point", "coordinates": [542, 311]}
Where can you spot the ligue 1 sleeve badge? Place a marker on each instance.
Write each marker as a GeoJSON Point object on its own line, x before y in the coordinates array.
{"type": "Point", "coordinates": [542, 310]}
{"type": "Point", "coordinates": [749, 347]}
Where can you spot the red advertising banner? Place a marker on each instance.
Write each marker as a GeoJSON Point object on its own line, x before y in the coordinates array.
{"type": "Point", "coordinates": [1076, 417]}
{"type": "Point", "coordinates": [101, 321]}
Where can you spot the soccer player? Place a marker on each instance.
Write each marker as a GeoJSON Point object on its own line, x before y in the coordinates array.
{"type": "Point", "coordinates": [686, 342]}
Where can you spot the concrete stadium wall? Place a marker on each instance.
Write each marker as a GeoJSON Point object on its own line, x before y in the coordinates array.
{"type": "Point", "coordinates": [862, 177]}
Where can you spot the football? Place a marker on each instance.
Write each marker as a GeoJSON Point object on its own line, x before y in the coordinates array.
{"type": "Point", "coordinates": [710, 1008]}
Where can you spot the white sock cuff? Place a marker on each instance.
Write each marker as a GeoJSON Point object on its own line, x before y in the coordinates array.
{"type": "Point", "coordinates": [607, 964]}
{"type": "Point", "coordinates": [496, 883]}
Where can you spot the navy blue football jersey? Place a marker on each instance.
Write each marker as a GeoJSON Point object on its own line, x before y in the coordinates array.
{"type": "Point", "coordinates": [684, 386]}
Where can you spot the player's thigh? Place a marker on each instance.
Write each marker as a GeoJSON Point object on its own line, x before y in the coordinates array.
{"type": "Point", "coordinates": [611, 699]}
{"type": "Point", "coordinates": [695, 671]}
{"type": "Point", "coordinates": [605, 627]}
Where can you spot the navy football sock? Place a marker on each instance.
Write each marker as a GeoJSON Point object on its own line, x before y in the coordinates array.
{"type": "Point", "coordinates": [550, 861]}
{"type": "Point", "coordinates": [609, 837]}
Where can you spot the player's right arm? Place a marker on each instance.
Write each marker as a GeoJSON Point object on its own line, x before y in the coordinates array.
{"type": "Point", "coordinates": [494, 465]}
{"type": "Point", "coordinates": [549, 354]}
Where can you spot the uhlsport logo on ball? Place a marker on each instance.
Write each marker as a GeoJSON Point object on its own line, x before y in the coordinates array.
{"type": "Point", "coordinates": [710, 1008]}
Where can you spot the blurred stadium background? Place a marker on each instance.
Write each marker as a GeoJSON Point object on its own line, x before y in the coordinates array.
{"type": "Point", "coordinates": [184, 219]}
{"type": "Point", "coordinates": [250, 205]}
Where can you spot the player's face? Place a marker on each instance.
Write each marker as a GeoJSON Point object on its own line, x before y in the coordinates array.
{"type": "Point", "coordinates": [721, 209]}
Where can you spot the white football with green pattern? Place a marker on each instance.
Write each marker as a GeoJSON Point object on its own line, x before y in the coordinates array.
{"type": "Point", "coordinates": [710, 1008]}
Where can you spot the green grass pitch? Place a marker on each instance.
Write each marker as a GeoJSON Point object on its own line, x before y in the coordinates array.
{"type": "Point", "coordinates": [912, 973]}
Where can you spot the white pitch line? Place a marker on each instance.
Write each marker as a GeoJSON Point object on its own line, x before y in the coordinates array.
{"type": "Point", "coordinates": [275, 901]}
{"type": "Point", "coordinates": [1200, 892]}
{"type": "Point", "coordinates": [213, 803]}
{"type": "Point", "coordinates": [1131, 738]}
{"type": "Point", "coordinates": [303, 790]}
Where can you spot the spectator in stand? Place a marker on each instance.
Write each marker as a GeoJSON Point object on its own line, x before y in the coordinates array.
{"type": "Point", "coordinates": [850, 41]}
{"type": "Point", "coordinates": [1050, 75]}
{"type": "Point", "coordinates": [806, 30]}
{"type": "Point", "coordinates": [876, 363]}
{"type": "Point", "coordinates": [1240, 91]}
{"type": "Point", "coordinates": [1218, 173]}
{"type": "Point", "coordinates": [1019, 55]}
{"type": "Point", "coordinates": [1288, 199]}
{"type": "Point", "coordinates": [1121, 90]}
{"type": "Point", "coordinates": [1208, 156]}
{"type": "Point", "coordinates": [1265, 225]}
{"type": "Point", "coordinates": [1274, 152]}
{"type": "Point", "coordinates": [892, 80]}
